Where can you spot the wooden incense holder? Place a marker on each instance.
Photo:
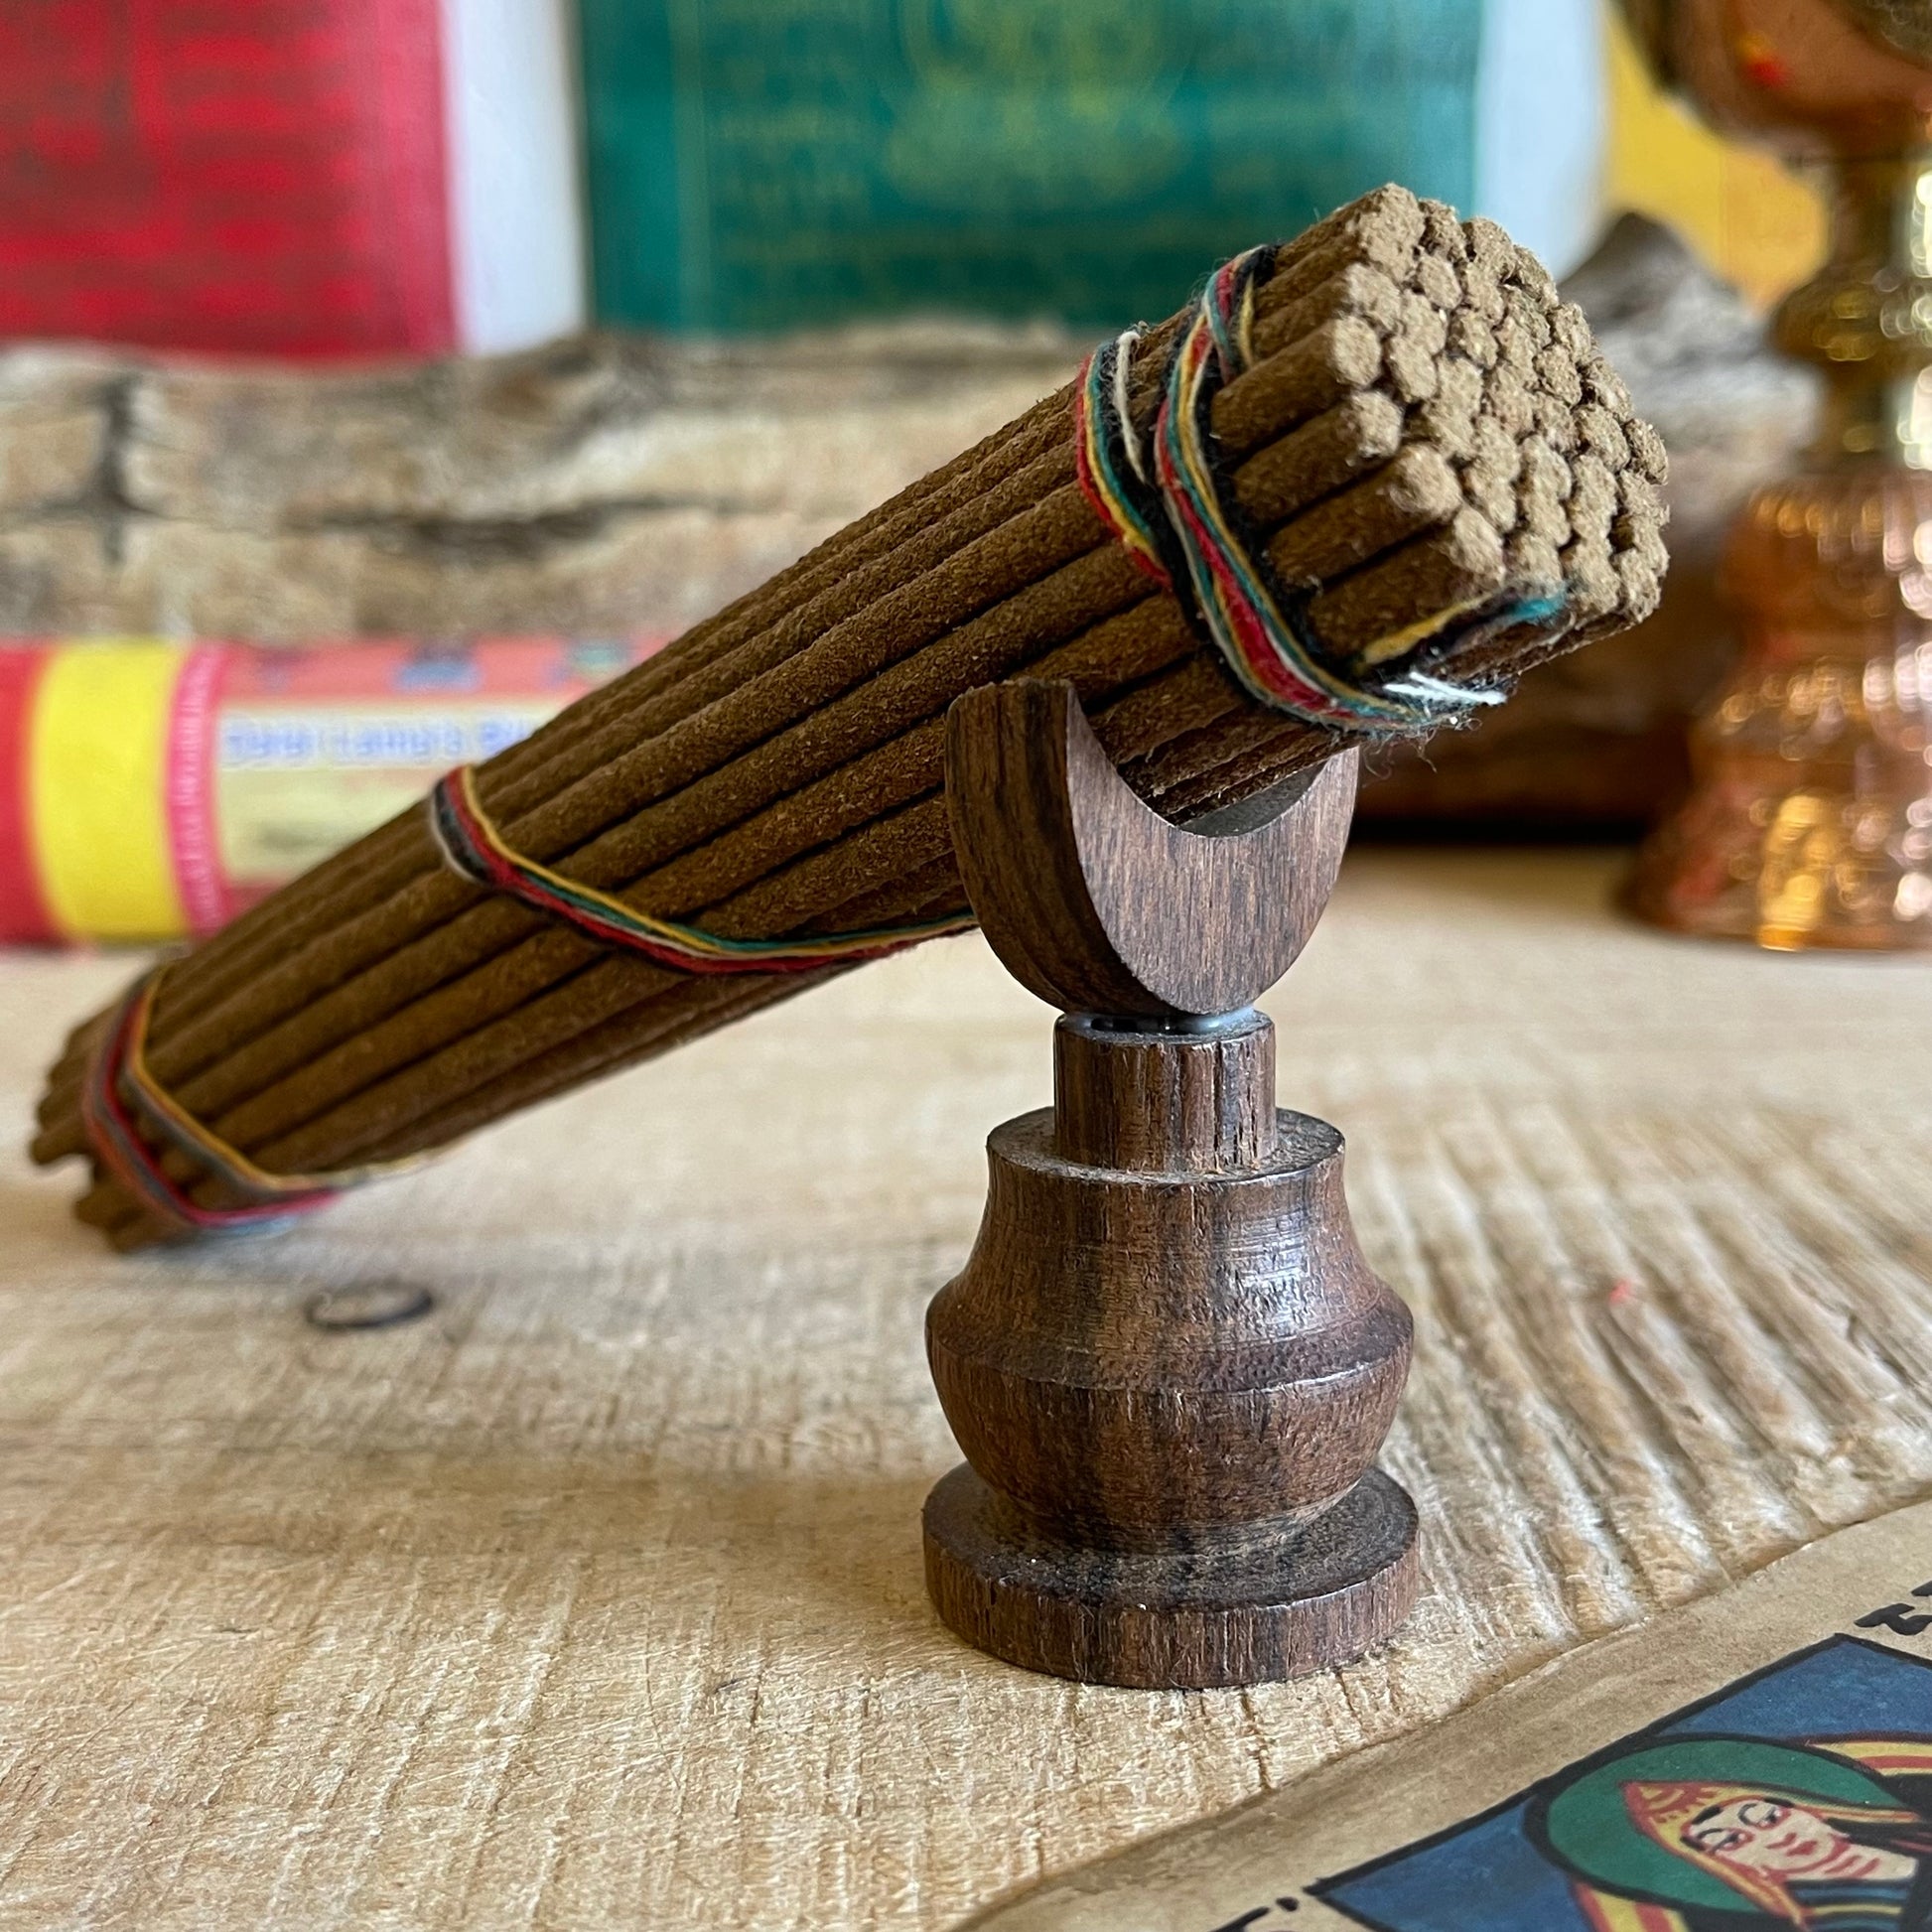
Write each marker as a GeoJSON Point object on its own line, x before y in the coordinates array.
{"type": "Point", "coordinates": [1168, 1364]}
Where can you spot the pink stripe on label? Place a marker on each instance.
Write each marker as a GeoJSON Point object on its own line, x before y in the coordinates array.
{"type": "Point", "coordinates": [205, 896]}
{"type": "Point", "coordinates": [23, 905]}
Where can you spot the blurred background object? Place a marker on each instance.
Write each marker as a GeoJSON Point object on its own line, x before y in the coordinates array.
{"type": "Point", "coordinates": [1809, 822]}
{"type": "Point", "coordinates": [758, 167]}
{"type": "Point", "coordinates": [598, 484]}
{"type": "Point", "coordinates": [445, 318]}
{"type": "Point", "coordinates": [1756, 223]}
{"type": "Point", "coordinates": [357, 176]}
{"type": "Point", "coordinates": [288, 177]}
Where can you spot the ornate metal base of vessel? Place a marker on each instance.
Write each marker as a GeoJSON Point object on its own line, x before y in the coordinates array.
{"type": "Point", "coordinates": [1810, 818]}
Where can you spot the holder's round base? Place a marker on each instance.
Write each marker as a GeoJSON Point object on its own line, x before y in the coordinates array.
{"type": "Point", "coordinates": [1207, 1618]}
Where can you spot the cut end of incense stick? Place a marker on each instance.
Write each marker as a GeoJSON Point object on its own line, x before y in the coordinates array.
{"type": "Point", "coordinates": [1424, 454]}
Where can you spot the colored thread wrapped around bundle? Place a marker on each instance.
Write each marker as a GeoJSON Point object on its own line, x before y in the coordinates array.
{"type": "Point", "coordinates": [474, 848]}
{"type": "Point", "coordinates": [121, 1096]}
{"type": "Point", "coordinates": [1423, 445]}
{"type": "Point", "coordinates": [1176, 518]}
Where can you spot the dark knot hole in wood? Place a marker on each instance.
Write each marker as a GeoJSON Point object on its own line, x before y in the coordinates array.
{"type": "Point", "coordinates": [1166, 1360]}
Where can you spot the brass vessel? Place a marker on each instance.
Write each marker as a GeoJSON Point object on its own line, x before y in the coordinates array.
{"type": "Point", "coordinates": [1810, 818]}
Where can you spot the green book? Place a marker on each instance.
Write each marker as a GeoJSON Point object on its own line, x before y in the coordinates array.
{"type": "Point", "coordinates": [772, 163]}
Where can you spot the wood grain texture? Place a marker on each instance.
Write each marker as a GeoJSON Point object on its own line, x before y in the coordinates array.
{"type": "Point", "coordinates": [1218, 1616]}
{"type": "Point", "coordinates": [1170, 1386]}
{"type": "Point", "coordinates": [1147, 1102]}
{"type": "Point", "coordinates": [595, 1598]}
{"type": "Point", "coordinates": [1150, 1359]}
{"type": "Point", "coordinates": [1094, 900]}
{"type": "Point", "coordinates": [1170, 1376]}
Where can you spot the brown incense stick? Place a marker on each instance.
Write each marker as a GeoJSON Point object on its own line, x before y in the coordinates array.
{"type": "Point", "coordinates": [1425, 425]}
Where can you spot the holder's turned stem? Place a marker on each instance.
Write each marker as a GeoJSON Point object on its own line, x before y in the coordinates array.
{"type": "Point", "coordinates": [1167, 1361]}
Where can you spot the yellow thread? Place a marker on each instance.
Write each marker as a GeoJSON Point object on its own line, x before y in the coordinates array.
{"type": "Point", "coordinates": [1398, 644]}
{"type": "Point", "coordinates": [224, 1157]}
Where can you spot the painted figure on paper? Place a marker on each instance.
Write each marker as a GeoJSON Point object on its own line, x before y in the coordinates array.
{"type": "Point", "coordinates": [1747, 1835]}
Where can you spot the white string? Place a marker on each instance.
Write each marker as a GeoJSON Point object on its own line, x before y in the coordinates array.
{"type": "Point", "coordinates": [1417, 686]}
{"type": "Point", "coordinates": [1434, 690]}
{"type": "Point", "coordinates": [1130, 437]}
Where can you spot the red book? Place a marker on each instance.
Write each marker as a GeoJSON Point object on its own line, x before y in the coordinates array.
{"type": "Point", "coordinates": [262, 176]}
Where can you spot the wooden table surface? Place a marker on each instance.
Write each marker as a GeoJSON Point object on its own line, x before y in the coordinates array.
{"type": "Point", "coordinates": [593, 1597]}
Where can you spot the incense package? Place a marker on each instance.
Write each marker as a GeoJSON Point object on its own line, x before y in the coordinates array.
{"type": "Point", "coordinates": [163, 788]}
{"type": "Point", "coordinates": [1370, 478]}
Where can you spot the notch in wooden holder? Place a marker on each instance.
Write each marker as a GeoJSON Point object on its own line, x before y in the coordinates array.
{"type": "Point", "coordinates": [1166, 1360]}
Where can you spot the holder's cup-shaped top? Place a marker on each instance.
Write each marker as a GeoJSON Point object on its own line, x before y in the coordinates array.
{"type": "Point", "coordinates": [1099, 904]}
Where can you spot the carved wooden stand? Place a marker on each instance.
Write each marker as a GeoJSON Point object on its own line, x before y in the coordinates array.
{"type": "Point", "coordinates": [1166, 1360]}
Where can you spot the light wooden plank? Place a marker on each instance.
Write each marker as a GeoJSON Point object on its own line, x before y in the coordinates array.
{"type": "Point", "coordinates": [595, 1598]}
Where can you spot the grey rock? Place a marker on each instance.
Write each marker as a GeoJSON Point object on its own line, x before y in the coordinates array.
{"type": "Point", "coordinates": [600, 483]}
{"type": "Point", "coordinates": [57, 408]}
{"type": "Point", "coordinates": [815, 426]}
{"type": "Point", "coordinates": [55, 576]}
{"type": "Point", "coordinates": [601, 572]}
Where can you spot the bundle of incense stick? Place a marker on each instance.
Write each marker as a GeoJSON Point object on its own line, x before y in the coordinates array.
{"type": "Point", "coordinates": [1425, 431]}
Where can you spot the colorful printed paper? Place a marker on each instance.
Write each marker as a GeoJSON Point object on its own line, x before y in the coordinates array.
{"type": "Point", "coordinates": [1760, 1761]}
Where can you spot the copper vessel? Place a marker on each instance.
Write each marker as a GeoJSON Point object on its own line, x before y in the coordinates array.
{"type": "Point", "coordinates": [1810, 818]}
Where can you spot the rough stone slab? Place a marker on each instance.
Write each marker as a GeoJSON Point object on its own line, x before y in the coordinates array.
{"type": "Point", "coordinates": [55, 409]}
{"type": "Point", "coordinates": [612, 570]}
{"type": "Point", "coordinates": [55, 577]}
{"type": "Point", "coordinates": [820, 426]}
{"type": "Point", "coordinates": [604, 483]}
